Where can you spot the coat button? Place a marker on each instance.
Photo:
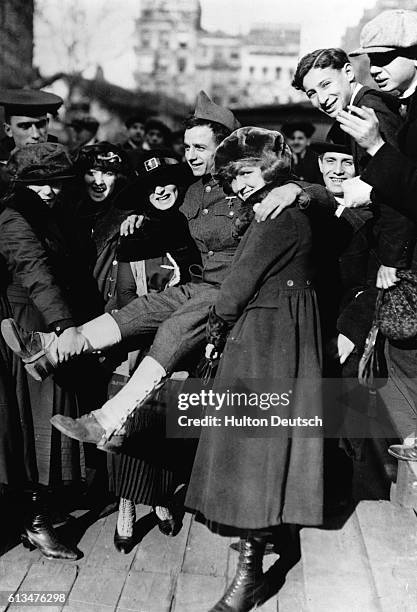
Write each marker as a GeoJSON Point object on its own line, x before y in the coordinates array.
{"type": "Point", "coordinates": [205, 211]}
{"type": "Point", "coordinates": [115, 262]}
{"type": "Point", "coordinates": [308, 282]}
{"type": "Point", "coordinates": [231, 213]}
{"type": "Point", "coordinates": [290, 283]}
{"type": "Point", "coordinates": [208, 189]}
{"type": "Point", "coordinates": [210, 253]}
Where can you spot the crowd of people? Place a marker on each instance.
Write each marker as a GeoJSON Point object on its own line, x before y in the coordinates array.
{"type": "Point", "coordinates": [238, 253]}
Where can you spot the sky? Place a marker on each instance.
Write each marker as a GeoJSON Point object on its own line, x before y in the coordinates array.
{"type": "Point", "coordinates": [323, 23]}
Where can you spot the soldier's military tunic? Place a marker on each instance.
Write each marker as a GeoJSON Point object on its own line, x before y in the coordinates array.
{"type": "Point", "coordinates": [179, 314]}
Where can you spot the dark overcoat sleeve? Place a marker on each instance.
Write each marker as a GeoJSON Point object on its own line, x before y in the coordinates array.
{"type": "Point", "coordinates": [393, 174]}
{"type": "Point", "coordinates": [27, 260]}
{"type": "Point", "coordinates": [265, 249]}
{"type": "Point", "coordinates": [394, 231]}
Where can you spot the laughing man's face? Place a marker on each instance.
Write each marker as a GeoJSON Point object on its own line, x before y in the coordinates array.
{"type": "Point", "coordinates": [336, 168]}
{"type": "Point", "coordinates": [200, 147]}
{"type": "Point", "coordinates": [329, 89]}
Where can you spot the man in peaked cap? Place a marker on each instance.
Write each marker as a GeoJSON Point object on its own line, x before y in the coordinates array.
{"type": "Point", "coordinates": [26, 118]}
{"type": "Point", "coordinates": [390, 41]}
{"type": "Point", "coordinates": [298, 135]}
{"type": "Point", "coordinates": [85, 131]}
{"type": "Point", "coordinates": [177, 315]}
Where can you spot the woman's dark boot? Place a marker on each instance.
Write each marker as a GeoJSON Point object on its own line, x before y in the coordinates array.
{"type": "Point", "coordinates": [39, 532]}
{"type": "Point", "coordinates": [248, 588]}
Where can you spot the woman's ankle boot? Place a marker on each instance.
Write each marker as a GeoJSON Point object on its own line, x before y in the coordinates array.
{"type": "Point", "coordinates": [248, 588]}
{"type": "Point", "coordinates": [39, 533]}
{"type": "Point", "coordinates": [123, 536]}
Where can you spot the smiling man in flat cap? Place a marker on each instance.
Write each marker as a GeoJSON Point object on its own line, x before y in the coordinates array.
{"type": "Point", "coordinates": [26, 118]}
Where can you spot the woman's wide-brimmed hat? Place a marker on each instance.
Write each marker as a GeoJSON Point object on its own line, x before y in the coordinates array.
{"type": "Point", "coordinates": [40, 163]}
{"type": "Point", "coordinates": [158, 167]}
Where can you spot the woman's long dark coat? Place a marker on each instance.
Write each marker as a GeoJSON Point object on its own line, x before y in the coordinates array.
{"type": "Point", "coordinates": [42, 291]}
{"type": "Point", "coordinates": [241, 482]}
{"type": "Point", "coordinates": [17, 443]}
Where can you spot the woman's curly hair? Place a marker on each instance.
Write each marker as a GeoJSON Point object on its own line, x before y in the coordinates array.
{"type": "Point", "coordinates": [252, 146]}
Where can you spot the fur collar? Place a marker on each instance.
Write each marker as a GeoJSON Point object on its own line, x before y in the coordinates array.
{"type": "Point", "coordinates": [245, 214]}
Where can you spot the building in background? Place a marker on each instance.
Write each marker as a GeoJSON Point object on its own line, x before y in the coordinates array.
{"type": "Point", "coordinates": [175, 56]}
{"type": "Point", "coordinates": [167, 32]}
{"type": "Point", "coordinates": [269, 58]}
{"type": "Point", "coordinates": [16, 42]}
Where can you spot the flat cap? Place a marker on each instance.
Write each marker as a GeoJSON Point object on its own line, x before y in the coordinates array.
{"type": "Point", "coordinates": [206, 109]}
{"type": "Point", "coordinates": [29, 102]}
{"type": "Point", "coordinates": [389, 31]}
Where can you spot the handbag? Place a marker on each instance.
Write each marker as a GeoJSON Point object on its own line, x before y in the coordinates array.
{"type": "Point", "coordinates": [398, 312]}
{"type": "Point", "coordinates": [373, 371]}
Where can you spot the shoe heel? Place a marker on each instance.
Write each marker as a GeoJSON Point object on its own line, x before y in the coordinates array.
{"type": "Point", "coordinates": [40, 369]}
{"type": "Point", "coordinates": [26, 542]}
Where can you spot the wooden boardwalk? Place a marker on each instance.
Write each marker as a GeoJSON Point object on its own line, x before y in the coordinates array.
{"type": "Point", "coordinates": [366, 563]}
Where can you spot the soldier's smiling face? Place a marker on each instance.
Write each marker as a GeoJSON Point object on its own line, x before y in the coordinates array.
{"type": "Point", "coordinates": [200, 147]}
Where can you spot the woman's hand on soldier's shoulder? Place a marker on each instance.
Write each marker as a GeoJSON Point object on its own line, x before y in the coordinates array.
{"type": "Point", "coordinates": [131, 223]}
{"type": "Point", "coordinates": [276, 201]}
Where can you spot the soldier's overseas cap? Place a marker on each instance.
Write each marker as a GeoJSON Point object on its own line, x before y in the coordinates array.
{"type": "Point", "coordinates": [206, 109]}
{"type": "Point", "coordinates": [389, 31]}
{"type": "Point", "coordinates": [29, 102]}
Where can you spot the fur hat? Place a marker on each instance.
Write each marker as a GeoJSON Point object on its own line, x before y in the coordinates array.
{"type": "Point", "coordinates": [268, 147]}
{"type": "Point", "coordinates": [208, 110]}
{"type": "Point", "coordinates": [40, 163]}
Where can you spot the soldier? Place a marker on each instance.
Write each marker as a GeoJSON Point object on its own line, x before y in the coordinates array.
{"type": "Point", "coordinates": [178, 315]}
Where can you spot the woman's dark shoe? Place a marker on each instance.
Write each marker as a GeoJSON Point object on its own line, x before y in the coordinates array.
{"type": "Point", "coordinates": [40, 534]}
{"type": "Point", "coordinates": [248, 588]}
{"type": "Point", "coordinates": [169, 520]}
{"type": "Point", "coordinates": [34, 348]}
{"type": "Point", "coordinates": [123, 544]}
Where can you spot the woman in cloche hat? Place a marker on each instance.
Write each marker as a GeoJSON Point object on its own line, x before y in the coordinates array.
{"type": "Point", "coordinates": [156, 255]}
{"type": "Point", "coordinates": [247, 481]}
{"type": "Point", "coordinates": [40, 286]}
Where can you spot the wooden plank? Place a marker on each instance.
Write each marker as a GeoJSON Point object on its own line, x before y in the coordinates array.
{"type": "Point", "coordinates": [103, 553]}
{"type": "Point", "coordinates": [47, 575]}
{"type": "Point", "coordinates": [147, 592]}
{"type": "Point", "coordinates": [390, 537]}
{"type": "Point", "coordinates": [291, 597]}
{"type": "Point", "coordinates": [160, 554]}
{"type": "Point", "coordinates": [337, 575]}
{"type": "Point", "coordinates": [404, 492]}
{"type": "Point", "coordinates": [206, 553]}
{"type": "Point", "coordinates": [87, 607]}
{"type": "Point", "coordinates": [197, 592]}
{"type": "Point", "coordinates": [90, 536]}
{"type": "Point", "coordinates": [97, 586]}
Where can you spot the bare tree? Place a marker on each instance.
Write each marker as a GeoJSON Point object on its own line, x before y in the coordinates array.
{"type": "Point", "coordinates": [74, 35]}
